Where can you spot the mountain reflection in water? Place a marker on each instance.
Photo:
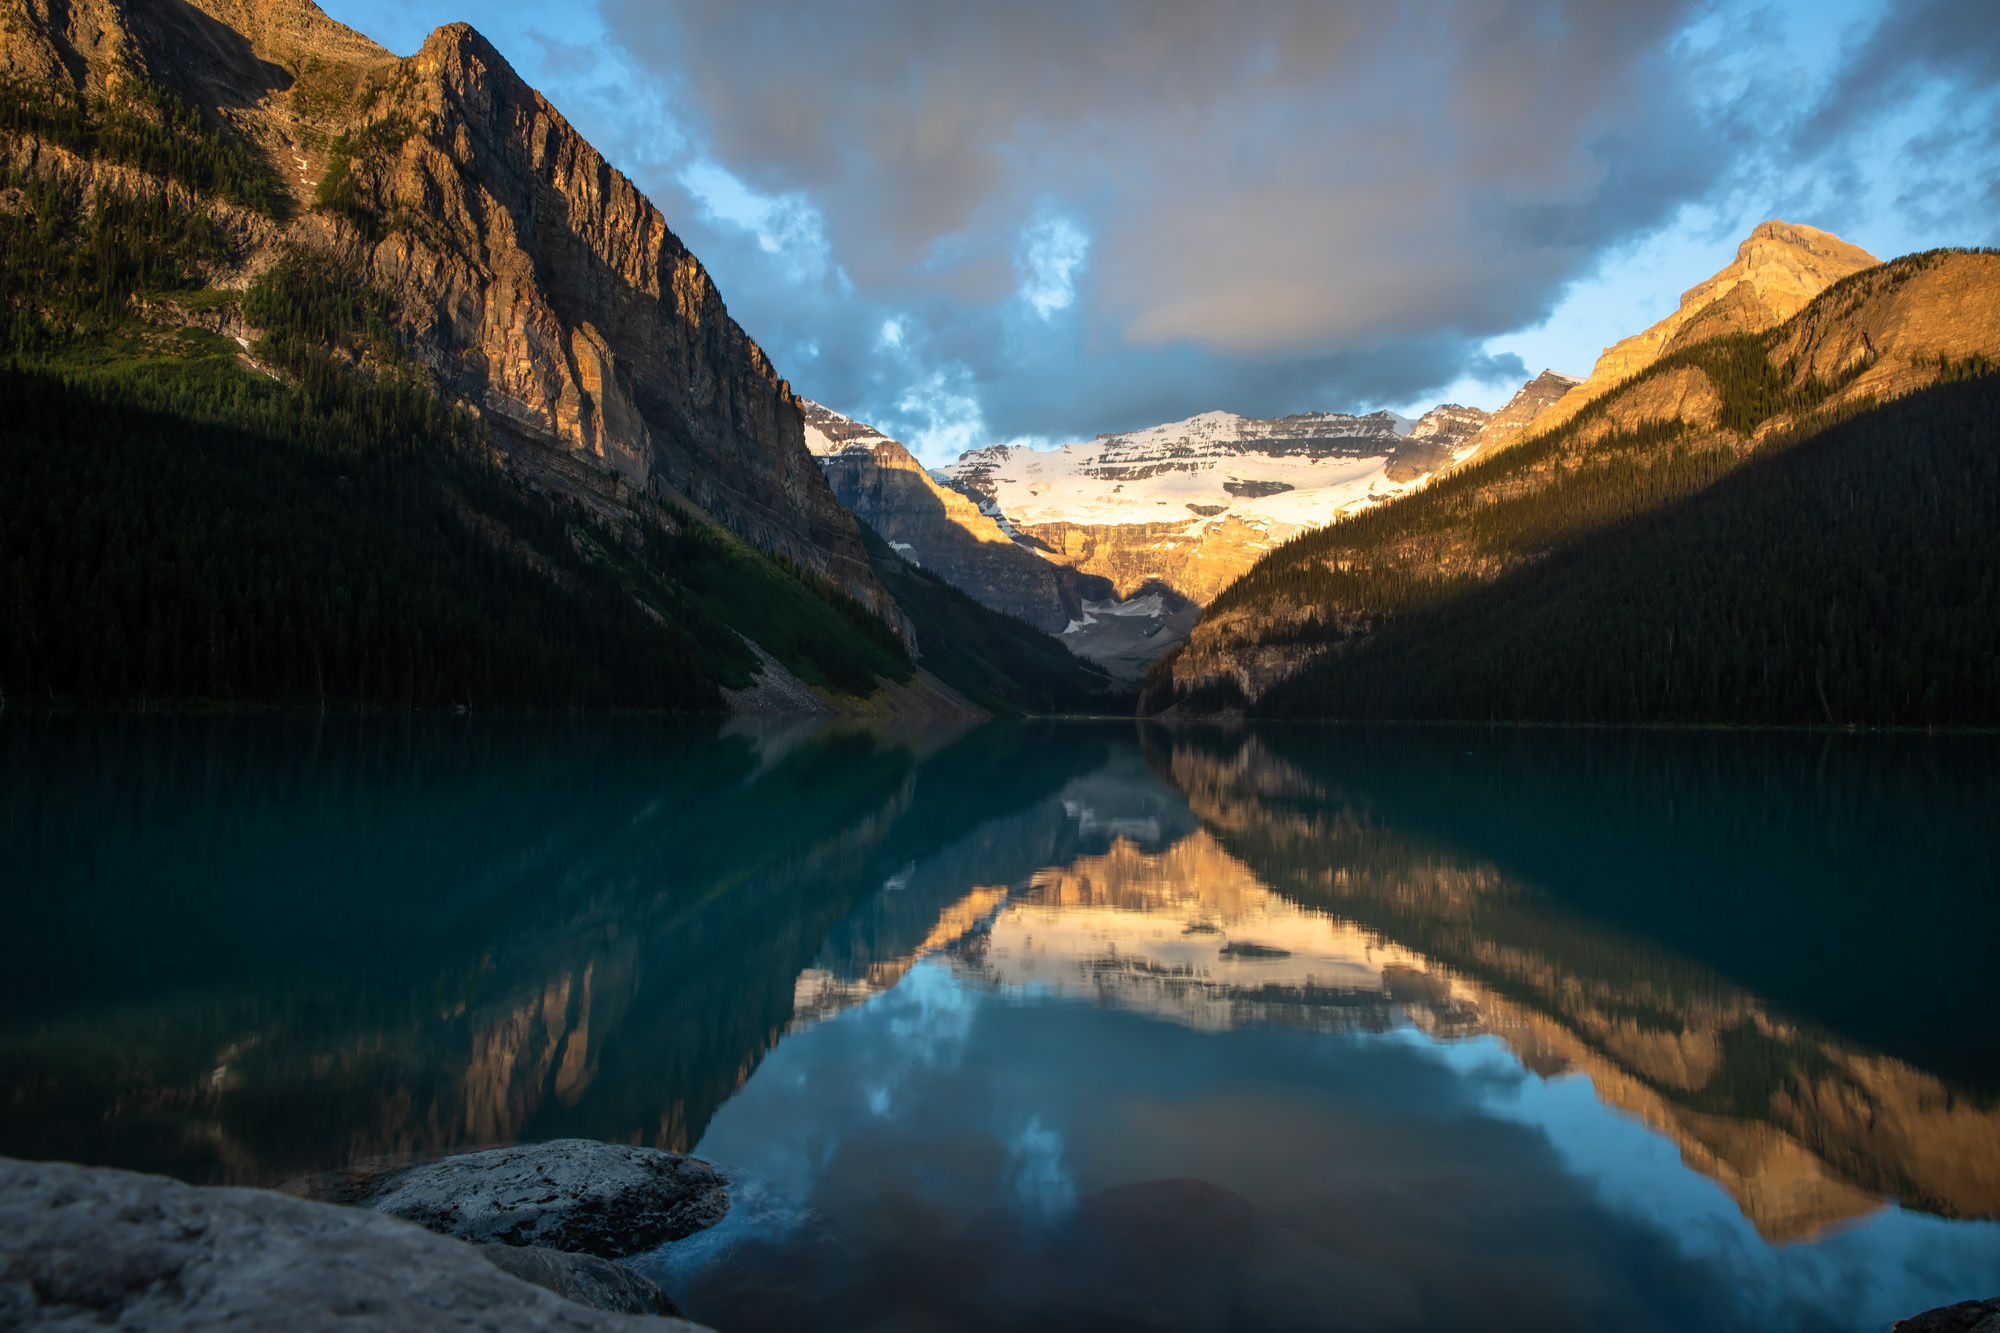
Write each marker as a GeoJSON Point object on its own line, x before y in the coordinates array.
{"type": "Point", "coordinates": [1073, 1025]}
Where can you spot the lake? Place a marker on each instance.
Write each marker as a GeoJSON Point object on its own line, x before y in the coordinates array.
{"type": "Point", "coordinates": [1061, 1025]}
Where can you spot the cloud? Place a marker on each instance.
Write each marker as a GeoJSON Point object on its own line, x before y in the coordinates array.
{"type": "Point", "coordinates": [1258, 176]}
{"type": "Point", "coordinates": [1091, 215]}
{"type": "Point", "coordinates": [1053, 250]}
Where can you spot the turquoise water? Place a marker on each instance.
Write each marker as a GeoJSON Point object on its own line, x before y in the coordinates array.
{"type": "Point", "coordinates": [1061, 1025]}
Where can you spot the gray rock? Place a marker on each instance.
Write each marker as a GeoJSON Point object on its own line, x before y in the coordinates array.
{"type": "Point", "coordinates": [84, 1247]}
{"type": "Point", "coordinates": [1965, 1317]}
{"type": "Point", "coordinates": [577, 1195]}
{"type": "Point", "coordinates": [583, 1278]}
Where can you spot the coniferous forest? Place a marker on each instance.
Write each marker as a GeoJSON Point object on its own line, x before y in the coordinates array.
{"type": "Point", "coordinates": [1852, 577]}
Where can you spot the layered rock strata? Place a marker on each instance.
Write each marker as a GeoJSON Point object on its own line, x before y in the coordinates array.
{"type": "Point", "coordinates": [537, 285]}
{"type": "Point", "coordinates": [1192, 504]}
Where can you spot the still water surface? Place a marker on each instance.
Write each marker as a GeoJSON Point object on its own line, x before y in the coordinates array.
{"type": "Point", "coordinates": [1062, 1025]}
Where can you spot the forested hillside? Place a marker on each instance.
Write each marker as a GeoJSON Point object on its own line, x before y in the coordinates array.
{"type": "Point", "coordinates": [311, 524]}
{"type": "Point", "coordinates": [1852, 577]}
{"type": "Point", "coordinates": [1343, 603]}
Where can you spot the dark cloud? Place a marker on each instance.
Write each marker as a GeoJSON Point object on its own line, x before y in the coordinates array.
{"type": "Point", "coordinates": [1264, 205]}
{"type": "Point", "coordinates": [1956, 42]}
{"type": "Point", "coordinates": [1268, 175]}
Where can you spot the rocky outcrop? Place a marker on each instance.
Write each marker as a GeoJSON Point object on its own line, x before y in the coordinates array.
{"type": "Point", "coordinates": [91, 1246]}
{"type": "Point", "coordinates": [1899, 326]}
{"type": "Point", "coordinates": [539, 287]}
{"type": "Point", "coordinates": [574, 1195]}
{"type": "Point", "coordinates": [1778, 270]}
{"type": "Point", "coordinates": [1511, 422]}
{"type": "Point", "coordinates": [543, 286]}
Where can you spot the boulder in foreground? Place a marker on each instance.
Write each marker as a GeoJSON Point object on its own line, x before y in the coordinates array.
{"type": "Point", "coordinates": [82, 1246]}
{"type": "Point", "coordinates": [576, 1195]}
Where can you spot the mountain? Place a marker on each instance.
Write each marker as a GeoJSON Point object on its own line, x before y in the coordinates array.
{"type": "Point", "coordinates": [935, 526]}
{"type": "Point", "coordinates": [531, 279]}
{"type": "Point", "coordinates": [929, 522]}
{"type": "Point", "coordinates": [1115, 545]}
{"type": "Point", "coordinates": [1191, 504]}
{"type": "Point", "coordinates": [467, 393]}
{"type": "Point", "coordinates": [1530, 404]}
{"type": "Point", "coordinates": [1737, 532]}
{"type": "Point", "coordinates": [1778, 270]}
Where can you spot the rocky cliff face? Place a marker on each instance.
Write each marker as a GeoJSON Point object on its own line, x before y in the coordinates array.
{"type": "Point", "coordinates": [538, 286]}
{"type": "Point", "coordinates": [939, 527]}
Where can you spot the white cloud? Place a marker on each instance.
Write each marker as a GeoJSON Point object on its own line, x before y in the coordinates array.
{"type": "Point", "coordinates": [1053, 249]}
{"type": "Point", "coordinates": [785, 225]}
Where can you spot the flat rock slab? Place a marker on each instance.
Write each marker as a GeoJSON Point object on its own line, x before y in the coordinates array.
{"type": "Point", "coordinates": [576, 1195]}
{"type": "Point", "coordinates": [84, 1247]}
{"type": "Point", "coordinates": [583, 1278]}
{"type": "Point", "coordinates": [1965, 1317]}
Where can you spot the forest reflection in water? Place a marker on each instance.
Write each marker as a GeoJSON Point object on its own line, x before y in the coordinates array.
{"type": "Point", "coordinates": [1074, 1024]}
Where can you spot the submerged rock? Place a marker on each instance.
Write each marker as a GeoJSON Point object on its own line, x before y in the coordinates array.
{"type": "Point", "coordinates": [1965, 1317]}
{"type": "Point", "coordinates": [576, 1195]}
{"type": "Point", "coordinates": [583, 1278]}
{"type": "Point", "coordinates": [83, 1246]}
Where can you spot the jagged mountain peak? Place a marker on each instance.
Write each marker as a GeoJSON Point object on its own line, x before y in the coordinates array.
{"type": "Point", "coordinates": [1785, 264]}
{"type": "Point", "coordinates": [1778, 270]}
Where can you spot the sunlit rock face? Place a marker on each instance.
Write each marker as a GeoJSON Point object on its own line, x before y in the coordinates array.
{"type": "Point", "coordinates": [537, 286]}
{"type": "Point", "coordinates": [1528, 405]}
{"type": "Point", "coordinates": [1778, 270]}
{"type": "Point", "coordinates": [938, 527]}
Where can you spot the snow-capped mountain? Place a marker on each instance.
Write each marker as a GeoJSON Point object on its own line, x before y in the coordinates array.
{"type": "Point", "coordinates": [1115, 544]}
{"type": "Point", "coordinates": [1191, 504]}
{"type": "Point", "coordinates": [1293, 472]}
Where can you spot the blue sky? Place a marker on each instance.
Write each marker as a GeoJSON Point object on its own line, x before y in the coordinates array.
{"type": "Point", "coordinates": [1042, 220]}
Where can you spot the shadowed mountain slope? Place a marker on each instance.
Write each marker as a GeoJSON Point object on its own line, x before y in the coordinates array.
{"type": "Point", "coordinates": [1616, 468]}
{"type": "Point", "coordinates": [1003, 664]}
